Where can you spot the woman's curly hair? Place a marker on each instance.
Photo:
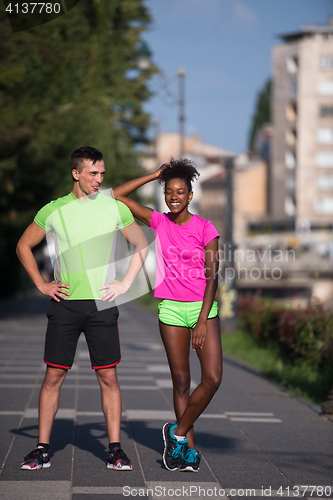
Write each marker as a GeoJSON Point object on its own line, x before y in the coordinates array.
{"type": "Point", "coordinates": [179, 169]}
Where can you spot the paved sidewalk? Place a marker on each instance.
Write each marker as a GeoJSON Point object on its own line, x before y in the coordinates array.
{"type": "Point", "coordinates": [255, 439]}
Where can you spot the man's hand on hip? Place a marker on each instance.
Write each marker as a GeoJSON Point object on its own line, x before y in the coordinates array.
{"type": "Point", "coordinates": [114, 289]}
{"type": "Point", "coordinates": [55, 290]}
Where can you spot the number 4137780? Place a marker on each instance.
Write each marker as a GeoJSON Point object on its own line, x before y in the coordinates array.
{"type": "Point", "coordinates": [305, 491]}
{"type": "Point", "coordinates": [33, 8]}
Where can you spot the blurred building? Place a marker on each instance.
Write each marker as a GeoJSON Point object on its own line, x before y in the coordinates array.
{"type": "Point", "coordinates": [250, 195]}
{"type": "Point", "coordinates": [210, 197]}
{"type": "Point", "coordinates": [263, 150]}
{"type": "Point", "coordinates": [301, 174]}
{"type": "Point", "coordinates": [213, 200]}
{"type": "Point", "coordinates": [208, 159]}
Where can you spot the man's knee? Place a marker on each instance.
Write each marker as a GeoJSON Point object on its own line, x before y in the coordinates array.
{"type": "Point", "coordinates": [107, 377]}
{"type": "Point", "coordinates": [54, 377]}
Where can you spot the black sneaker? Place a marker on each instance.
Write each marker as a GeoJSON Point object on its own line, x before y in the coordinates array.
{"type": "Point", "coordinates": [37, 459]}
{"type": "Point", "coordinates": [191, 461]}
{"type": "Point", "coordinates": [172, 447]}
{"type": "Point", "coordinates": [118, 460]}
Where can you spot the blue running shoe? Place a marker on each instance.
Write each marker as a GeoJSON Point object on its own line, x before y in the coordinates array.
{"type": "Point", "coordinates": [173, 449]}
{"type": "Point", "coordinates": [191, 461]}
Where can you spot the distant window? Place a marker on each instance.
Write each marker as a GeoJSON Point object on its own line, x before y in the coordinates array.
{"type": "Point", "coordinates": [291, 182]}
{"type": "Point", "coordinates": [325, 135]}
{"type": "Point", "coordinates": [324, 206]}
{"type": "Point", "coordinates": [326, 111]}
{"type": "Point", "coordinates": [324, 159]}
{"type": "Point", "coordinates": [290, 160]}
{"type": "Point", "coordinates": [291, 112]}
{"type": "Point", "coordinates": [292, 64]}
{"type": "Point", "coordinates": [291, 137]}
{"type": "Point", "coordinates": [325, 87]}
{"type": "Point", "coordinates": [289, 207]}
{"type": "Point", "coordinates": [326, 62]}
{"type": "Point", "coordinates": [325, 182]}
{"type": "Point", "coordinates": [293, 89]}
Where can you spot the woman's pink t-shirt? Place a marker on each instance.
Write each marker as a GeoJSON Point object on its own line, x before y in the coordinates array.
{"type": "Point", "coordinates": [180, 255]}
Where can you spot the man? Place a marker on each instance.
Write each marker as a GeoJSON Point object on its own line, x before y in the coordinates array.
{"type": "Point", "coordinates": [83, 225]}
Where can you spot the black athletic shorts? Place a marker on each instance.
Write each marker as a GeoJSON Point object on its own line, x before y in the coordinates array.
{"type": "Point", "coordinates": [67, 319]}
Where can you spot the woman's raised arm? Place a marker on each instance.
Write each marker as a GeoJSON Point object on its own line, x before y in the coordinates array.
{"type": "Point", "coordinates": [121, 193]}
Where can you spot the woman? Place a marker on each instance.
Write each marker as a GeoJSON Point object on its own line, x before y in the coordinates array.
{"type": "Point", "coordinates": [186, 281]}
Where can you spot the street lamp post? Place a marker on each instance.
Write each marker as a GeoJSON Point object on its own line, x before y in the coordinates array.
{"type": "Point", "coordinates": [178, 99]}
{"type": "Point", "coordinates": [143, 63]}
{"type": "Point", "coordinates": [229, 208]}
{"type": "Point", "coordinates": [181, 102]}
{"type": "Point", "coordinates": [227, 289]}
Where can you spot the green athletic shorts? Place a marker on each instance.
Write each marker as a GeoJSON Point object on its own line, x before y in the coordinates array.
{"type": "Point", "coordinates": [186, 314]}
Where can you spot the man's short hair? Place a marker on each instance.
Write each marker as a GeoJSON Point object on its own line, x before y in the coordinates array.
{"type": "Point", "coordinates": [84, 153]}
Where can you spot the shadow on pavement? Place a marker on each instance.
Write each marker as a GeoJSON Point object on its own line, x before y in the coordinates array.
{"type": "Point", "coordinates": [23, 306]}
{"type": "Point", "coordinates": [88, 437]}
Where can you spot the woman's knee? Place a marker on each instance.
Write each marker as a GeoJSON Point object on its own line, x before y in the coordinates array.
{"type": "Point", "coordinates": [212, 381]}
{"type": "Point", "coordinates": [181, 381]}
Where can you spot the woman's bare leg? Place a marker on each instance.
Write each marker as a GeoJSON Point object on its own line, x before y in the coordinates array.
{"type": "Point", "coordinates": [177, 344]}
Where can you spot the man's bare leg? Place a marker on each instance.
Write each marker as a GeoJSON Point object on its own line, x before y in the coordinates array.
{"type": "Point", "coordinates": [111, 401]}
{"type": "Point", "coordinates": [49, 401]}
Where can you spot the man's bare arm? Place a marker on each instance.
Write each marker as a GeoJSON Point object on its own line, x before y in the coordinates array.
{"type": "Point", "coordinates": [135, 236]}
{"type": "Point", "coordinates": [33, 235]}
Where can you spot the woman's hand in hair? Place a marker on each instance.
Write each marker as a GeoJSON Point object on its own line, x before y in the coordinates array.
{"type": "Point", "coordinates": [162, 167]}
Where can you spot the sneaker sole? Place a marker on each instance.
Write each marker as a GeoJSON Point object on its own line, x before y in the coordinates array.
{"type": "Point", "coordinates": [165, 446]}
{"type": "Point", "coordinates": [189, 469]}
{"type": "Point", "coordinates": [44, 466]}
{"type": "Point", "coordinates": [126, 467]}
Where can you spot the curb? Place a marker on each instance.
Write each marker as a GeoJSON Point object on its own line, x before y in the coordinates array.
{"type": "Point", "coordinates": [242, 364]}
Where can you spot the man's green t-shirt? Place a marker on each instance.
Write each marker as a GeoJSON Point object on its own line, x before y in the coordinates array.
{"type": "Point", "coordinates": [84, 237]}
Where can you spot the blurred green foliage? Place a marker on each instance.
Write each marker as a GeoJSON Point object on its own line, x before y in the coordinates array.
{"type": "Point", "coordinates": [63, 85]}
{"type": "Point", "coordinates": [300, 334]}
{"type": "Point", "coordinates": [302, 338]}
{"type": "Point", "coordinates": [262, 112]}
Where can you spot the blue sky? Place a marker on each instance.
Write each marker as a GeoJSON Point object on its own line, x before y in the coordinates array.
{"type": "Point", "coordinates": [225, 47]}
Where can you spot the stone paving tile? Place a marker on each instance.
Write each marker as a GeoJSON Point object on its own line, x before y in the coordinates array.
{"type": "Point", "coordinates": [253, 435]}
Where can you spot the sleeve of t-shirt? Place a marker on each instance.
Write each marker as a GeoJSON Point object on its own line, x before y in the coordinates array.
{"type": "Point", "coordinates": [209, 233]}
{"type": "Point", "coordinates": [156, 219]}
{"type": "Point", "coordinates": [42, 218]}
{"type": "Point", "coordinates": [125, 215]}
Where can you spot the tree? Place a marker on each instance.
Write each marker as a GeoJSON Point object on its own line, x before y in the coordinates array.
{"type": "Point", "coordinates": [262, 112]}
{"type": "Point", "coordinates": [63, 85]}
